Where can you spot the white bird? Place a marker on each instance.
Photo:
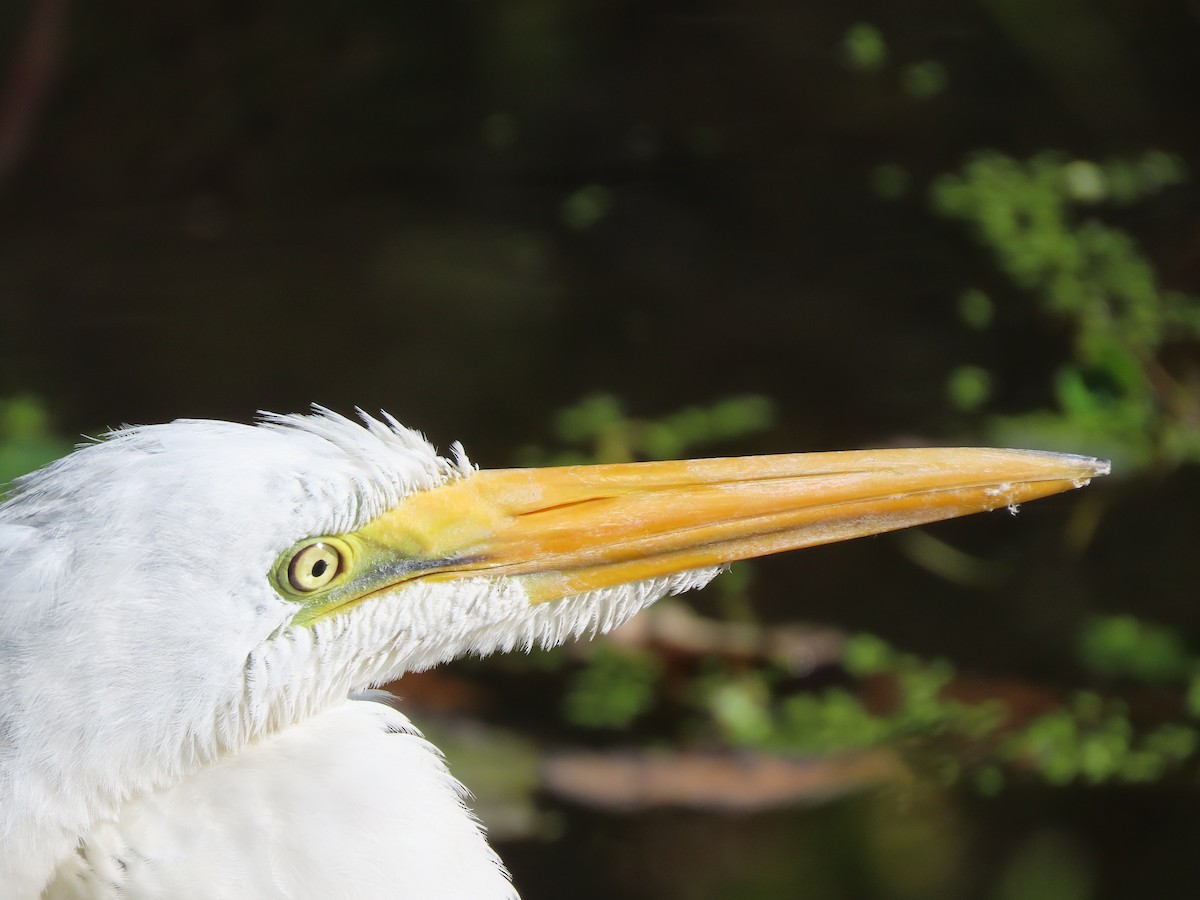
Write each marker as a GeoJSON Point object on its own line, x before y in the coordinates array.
{"type": "Point", "coordinates": [192, 617]}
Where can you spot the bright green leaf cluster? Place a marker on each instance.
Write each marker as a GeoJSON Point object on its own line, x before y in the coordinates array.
{"type": "Point", "coordinates": [1125, 647]}
{"type": "Point", "coordinates": [1089, 738]}
{"type": "Point", "coordinates": [748, 713]}
{"type": "Point", "coordinates": [740, 707]}
{"type": "Point", "coordinates": [1094, 741]}
{"type": "Point", "coordinates": [1114, 393]}
{"type": "Point", "coordinates": [865, 655]}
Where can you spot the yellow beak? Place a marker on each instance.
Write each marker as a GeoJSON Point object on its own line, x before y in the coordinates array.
{"type": "Point", "coordinates": [574, 529]}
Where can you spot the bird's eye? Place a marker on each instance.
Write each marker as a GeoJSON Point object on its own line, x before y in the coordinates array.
{"type": "Point", "coordinates": [314, 566]}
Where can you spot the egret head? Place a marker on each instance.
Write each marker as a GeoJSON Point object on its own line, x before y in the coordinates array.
{"type": "Point", "coordinates": [141, 631]}
{"type": "Point", "coordinates": [174, 591]}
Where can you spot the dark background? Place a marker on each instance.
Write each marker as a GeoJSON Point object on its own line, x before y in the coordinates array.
{"type": "Point", "coordinates": [472, 214]}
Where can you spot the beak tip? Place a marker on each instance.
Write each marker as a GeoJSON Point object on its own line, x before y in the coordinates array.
{"type": "Point", "coordinates": [1082, 468]}
{"type": "Point", "coordinates": [1093, 467]}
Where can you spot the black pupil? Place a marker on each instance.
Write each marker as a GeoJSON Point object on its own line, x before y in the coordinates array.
{"type": "Point", "coordinates": [319, 568]}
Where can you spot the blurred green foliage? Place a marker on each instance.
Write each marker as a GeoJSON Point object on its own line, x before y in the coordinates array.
{"type": "Point", "coordinates": [598, 430]}
{"type": "Point", "coordinates": [969, 387]}
{"type": "Point", "coordinates": [1041, 221]}
{"type": "Point", "coordinates": [924, 80]}
{"type": "Point", "coordinates": [615, 687]}
{"type": "Point", "coordinates": [26, 437]}
{"type": "Point", "coordinates": [1086, 737]}
{"type": "Point", "coordinates": [840, 718]}
{"type": "Point", "coordinates": [1117, 394]}
{"type": "Point", "coordinates": [1125, 647]}
{"type": "Point", "coordinates": [1094, 740]}
{"type": "Point", "coordinates": [864, 47]}
{"type": "Point", "coordinates": [586, 207]}
{"type": "Point", "coordinates": [976, 309]}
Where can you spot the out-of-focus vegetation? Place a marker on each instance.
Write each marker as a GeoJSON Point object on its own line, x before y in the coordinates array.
{"type": "Point", "coordinates": [597, 429]}
{"type": "Point", "coordinates": [26, 438]}
{"type": "Point", "coordinates": [1083, 736]}
{"type": "Point", "coordinates": [613, 689]}
{"type": "Point", "coordinates": [1042, 221]}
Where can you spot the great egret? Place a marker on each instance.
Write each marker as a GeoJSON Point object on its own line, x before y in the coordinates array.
{"type": "Point", "coordinates": [192, 617]}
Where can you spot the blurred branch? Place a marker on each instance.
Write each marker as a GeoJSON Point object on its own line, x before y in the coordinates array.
{"type": "Point", "coordinates": [694, 780]}
{"type": "Point", "coordinates": [674, 628]}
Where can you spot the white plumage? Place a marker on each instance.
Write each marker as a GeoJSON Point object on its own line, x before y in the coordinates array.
{"type": "Point", "coordinates": [145, 663]}
{"type": "Point", "coordinates": [305, 812]}
{"type": "Point", "coordinates": [169, 730]}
